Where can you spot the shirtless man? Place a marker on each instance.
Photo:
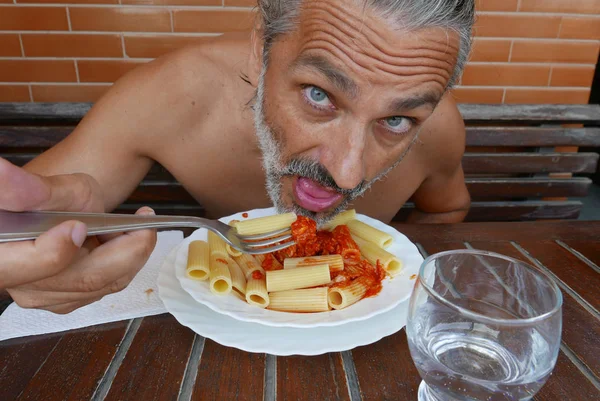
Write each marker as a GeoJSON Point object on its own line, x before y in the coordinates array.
{"type": "Point", "coordinates": [325, 101]}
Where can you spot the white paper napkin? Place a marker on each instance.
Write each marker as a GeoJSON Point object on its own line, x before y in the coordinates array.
{"type": "Point", "coordinates": [139, 299]}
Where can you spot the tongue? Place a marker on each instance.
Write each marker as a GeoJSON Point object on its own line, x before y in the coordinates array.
{"type": "Point", "coordinates": [315, 190]}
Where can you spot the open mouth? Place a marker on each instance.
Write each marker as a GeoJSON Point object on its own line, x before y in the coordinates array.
{"type": "Point", "coordinates": [314, 197]}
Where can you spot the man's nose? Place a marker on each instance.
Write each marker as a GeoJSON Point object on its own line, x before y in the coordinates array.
{"type": "Point", "coordinates": [345, 158]}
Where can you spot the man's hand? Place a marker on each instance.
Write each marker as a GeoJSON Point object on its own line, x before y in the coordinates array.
{"type": "Point", "coordinates": [63, 270]}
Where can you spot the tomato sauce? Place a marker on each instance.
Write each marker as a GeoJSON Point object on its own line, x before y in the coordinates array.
{"type": "Point", "coordinates": [245, 215]}
{"type": "Point", "coordinates": [269, 263]}
{"type": "Point", "coordinates": [312, 242]}
{"type": "Point", "coordinates": [257, 275]}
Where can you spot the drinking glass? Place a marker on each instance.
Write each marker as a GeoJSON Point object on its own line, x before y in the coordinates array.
{"type": "Point", "coordinates": [483, 326]}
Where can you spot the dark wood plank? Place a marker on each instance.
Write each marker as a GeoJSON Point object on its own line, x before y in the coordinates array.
{"type": "Point", "coordinates": [532, 136]}
{"type": "Point", "coordinates": [155, 363]}
{"type": "Point", "coordinates": [386, 370]}
{"type": "Point", "coordinates": [160, 191]}
{"type": "Point", "coordinates": [508, 188]}
{"type": "Point", "coordinates": [20, 359]}
{"type": "Point", "coordinates": [77, 364]}
{"type": "Point", "coordinates": [511, 211]}
{"type": "Point", "coordinates": [567, 383]}
{"type": "Point", "coordinates": [33, 137]}
{"type": "Point", "coordinates": [481, 163]}
{"type": "Point", "coordinates": [588, 249]}
{"type": "Point", "coordinates": [11, 113]}
{"type": "Point", "coordinates": [523, 211]}
{"type": "Point", "coordinates": [164, 209]}
{"type": "Point", "coordinates": [502, 231]}
{"type": "Point", "coordinates": [319, 377]}
{"type": "Point", "coordinates": [227, 373]}
{"type": "Point", "coordinates": [20, 159]}
{"type": "Point", "coordinates": [567, 267]}
{"type": "Point", "coordinates": [530, 113]}
{"type": "Point", "coordinates": [581, 330]}
{"type": "Point", "coordinates": [5, 300]}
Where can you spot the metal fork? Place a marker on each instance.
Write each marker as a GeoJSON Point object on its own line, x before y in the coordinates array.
{"type": "Point", "coordinates": [18, 226]}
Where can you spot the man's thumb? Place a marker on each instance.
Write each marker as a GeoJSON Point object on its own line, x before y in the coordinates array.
{"type": "Point", "coordinates": [21, 190]}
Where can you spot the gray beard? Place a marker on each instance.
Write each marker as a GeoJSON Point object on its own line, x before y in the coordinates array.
{"type": "Point", "coordinates": [275, 169]}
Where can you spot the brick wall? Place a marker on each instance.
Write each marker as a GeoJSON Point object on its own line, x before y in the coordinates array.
{"type": "Point", "coordinates": [526, 51]}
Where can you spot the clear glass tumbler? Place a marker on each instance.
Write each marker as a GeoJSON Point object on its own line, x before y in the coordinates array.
{"type": "Point", "coordinates": [483, 326]}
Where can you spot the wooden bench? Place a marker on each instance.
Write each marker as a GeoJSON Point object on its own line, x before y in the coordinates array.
{"type": "Point", "coordinates": [522, 161]}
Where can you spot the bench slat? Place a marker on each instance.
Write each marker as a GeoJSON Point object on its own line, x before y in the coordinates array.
{"type": "Point", "coordinates": [482, 163]}
{"type": "Point", "coordinates": [505, 188]}
{"type": "Point", "coordinates": [169, 209]}
{"type": "Point", "coordinates": [473, 163]}
{"type": "Point", "coordinates": [513, 211]}
{"type": "Point", "coordinates": [480, 211]}
{"type": "Point", "coordinates": [530, 113]}
{"type": "Point", "coordinates": [38, 137]}
{"type": "Point", "coordinates": [479, 188]}
{"type": "Point", "coordinates": [532, 136]}
{"type": "Point", "coordinates": [161, 191]}
{"type": "Point", "coordinates": [64, 113]}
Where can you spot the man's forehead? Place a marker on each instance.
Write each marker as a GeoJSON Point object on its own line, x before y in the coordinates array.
{"type": "Point", "coordinates": [357, 39]}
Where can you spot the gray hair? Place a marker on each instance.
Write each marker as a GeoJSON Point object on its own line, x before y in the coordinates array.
{"type": "Point", "coordinates": [279, 17]}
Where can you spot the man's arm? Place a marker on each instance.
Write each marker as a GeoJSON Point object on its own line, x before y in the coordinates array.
{"type": "Point", "coordinates": [443, 196]}
{"type": "Point", "coordinates": [116, 141]}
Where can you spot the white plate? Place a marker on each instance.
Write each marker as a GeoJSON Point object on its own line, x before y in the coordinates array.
{"type": "Point", "coordinates": [394, 291]}
{"type": "Point", "coordinates": [281, 341]}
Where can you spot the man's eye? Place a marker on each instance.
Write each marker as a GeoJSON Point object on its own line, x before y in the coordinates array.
{"type": "Point", "coordinates": [316, 96]}
{"type": "Point", "coordinates": [397, 124]}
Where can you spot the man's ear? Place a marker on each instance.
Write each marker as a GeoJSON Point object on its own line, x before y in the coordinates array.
{"type": "Point", "coordinates": [255, 60]}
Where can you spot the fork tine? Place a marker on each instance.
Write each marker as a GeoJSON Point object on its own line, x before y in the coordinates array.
{"type": "Point", "coordinates": [274, 248]}
{"type": "Point", "coordinates": [264, 235]}
{"type": "Point", "coordinates": [270, 241]}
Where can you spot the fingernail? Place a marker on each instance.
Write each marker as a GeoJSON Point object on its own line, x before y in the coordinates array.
{"type": "Point", "coordinates": [79, 234]}
{"type": "Point", "coordinates": [147, 211]}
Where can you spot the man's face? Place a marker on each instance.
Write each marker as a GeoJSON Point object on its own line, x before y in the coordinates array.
{"type": "Point", "coordinates": [341, 102]}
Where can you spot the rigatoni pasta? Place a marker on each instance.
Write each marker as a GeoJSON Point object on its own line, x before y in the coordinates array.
{"type": "Point", "coordinates": [342, 297]}
{"type": "Point", "coordinates": [231, 250]}
{"type": "Point", "coordinates": [198, 262]}
{"type": "Point", "coordinates": [371, 234]}
{"type": "Point", "coordinates": [335, 262]}
{"type": "Point", "coordinates": [238, 279]}
{"type": "Point", "coordinates": [249, 265]}
{"type": "Point", "coordinates": [220, 278]}
{"type": "Point", "coordinates": [256, 292]}
{"type": "Point", "coordinates": [339, 220]}
{"type": "Point", "coordinates": [216, 245]}
{"type": "Point", "coordinates": [375, 254]}
{"type": "Point", "coordinates": [330, 268]}
{"type": "Point", "coordinates": [266, 224]}
{"type": "Point", "coordinates": [304, 300]}
{"type": "Point", "coordinates": [292, 279]}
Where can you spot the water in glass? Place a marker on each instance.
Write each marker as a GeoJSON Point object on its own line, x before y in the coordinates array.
{"type": "Point", "coordinates": [483, 327]}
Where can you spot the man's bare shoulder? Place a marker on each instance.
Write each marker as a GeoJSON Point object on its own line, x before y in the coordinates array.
{"type": "Point", "coordinates": [190, 75]}
{"type": "Point", "coordinates": [173, 94]}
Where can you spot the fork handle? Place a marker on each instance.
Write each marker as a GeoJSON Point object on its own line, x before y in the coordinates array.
{"type": "Point", "coordinates": [18, 226]}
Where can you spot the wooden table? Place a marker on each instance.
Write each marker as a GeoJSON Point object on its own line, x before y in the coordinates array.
{"type": "Point", "coordinates": [156, 358]}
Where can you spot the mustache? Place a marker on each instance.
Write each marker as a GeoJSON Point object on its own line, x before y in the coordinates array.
{"type": "Point", "coordinates": [318, 173]}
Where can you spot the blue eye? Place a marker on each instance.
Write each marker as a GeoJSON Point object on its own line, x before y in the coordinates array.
{"type": "Point", "coordinates": [316, 96]}
{"type": "Point", "coordinates": [397, 124]}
